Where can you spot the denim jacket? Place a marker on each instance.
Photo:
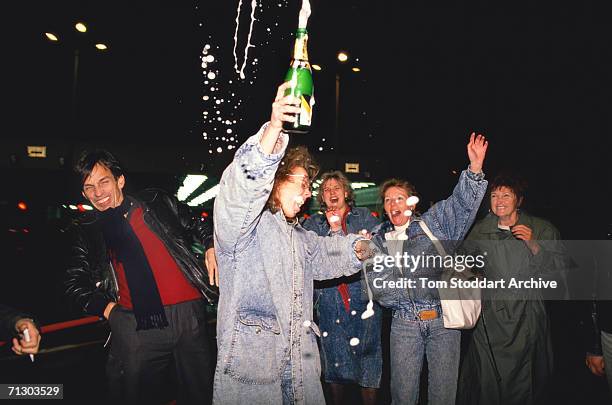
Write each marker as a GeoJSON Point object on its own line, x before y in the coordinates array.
{"type": "Point", "coordinates": [449, 220]}
{"type": "Point", "coordinates": [266, 268]}
{"type": "Point", "coordinates": [357, 219]}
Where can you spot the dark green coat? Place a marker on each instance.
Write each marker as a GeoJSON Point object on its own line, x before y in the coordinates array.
{"type": "Point", "coordinates": [509, 355]}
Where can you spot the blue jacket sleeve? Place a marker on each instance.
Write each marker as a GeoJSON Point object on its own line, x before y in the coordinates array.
{"type": "Point", "coordinates": [455, 215]}
{"type": "Point", "coordinates": [243, 192]}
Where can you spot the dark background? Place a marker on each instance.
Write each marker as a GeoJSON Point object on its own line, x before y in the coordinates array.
{"type": "Point", "coordinates": [534, 77]}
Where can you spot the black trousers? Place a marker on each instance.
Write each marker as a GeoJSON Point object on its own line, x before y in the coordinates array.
{"type": "Point", "coordinates": [139, 362]}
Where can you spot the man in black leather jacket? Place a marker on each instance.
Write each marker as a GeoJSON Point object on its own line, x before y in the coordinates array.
{"type": "Point", "coordinates": [132, 263]}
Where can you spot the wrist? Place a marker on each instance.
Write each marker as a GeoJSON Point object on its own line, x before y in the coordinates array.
{"type": "Point", "coordinates": [474, 168]}
{"type": "Point", "coordinates": [109, 309]}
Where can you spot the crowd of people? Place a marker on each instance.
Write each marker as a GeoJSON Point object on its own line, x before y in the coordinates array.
{"type": "Point", "coordinates": [288, 288]}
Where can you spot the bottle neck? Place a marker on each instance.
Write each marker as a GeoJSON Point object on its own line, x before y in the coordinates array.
{"type": "Point", "coordinates": [300, 50]}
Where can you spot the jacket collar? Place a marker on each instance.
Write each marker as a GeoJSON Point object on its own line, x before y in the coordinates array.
{"type": "Point", "coordinates": [489, 223]}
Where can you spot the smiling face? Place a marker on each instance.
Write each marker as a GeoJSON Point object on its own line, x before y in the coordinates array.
{"type": "Point", "coordinates": [334, 195]}
{"type": "Point", "coordinates": [102, 189]}
{"type": "Point", "coordinates": [294, 191]}
{"type": "Point", "coordinates": [395, 203]}
{"type": "Point", "coordinates": [504, 203]}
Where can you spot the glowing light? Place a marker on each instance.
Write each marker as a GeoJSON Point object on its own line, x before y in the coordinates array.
{"type": "Point", "coordinates": [205, 196]}
{"type": "Point", "coordinates": [356, 69]}
{"type": "Point", "coordinates": [316, 67]}
{"type": "Point", "coordinates": [342, 56]}
{"type": "Point", "coordinates": [22, 206]}
{"type": "Point", "coordinates": [190, 184]}
{"type": "Point", "coordinates": [358, 185]}
{"type": "Point", "coordinates": [101, 47]}
{"type": "Point", "coordinates": [51, 37]}
{"type": "Point", "coordinates": [80, 27]}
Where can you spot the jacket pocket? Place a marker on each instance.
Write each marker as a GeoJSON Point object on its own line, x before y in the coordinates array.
{"type": "Point", "coordinates": [253, 351]}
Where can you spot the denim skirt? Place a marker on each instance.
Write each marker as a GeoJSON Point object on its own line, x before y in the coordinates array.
{"type": "Point", "coordinates": [350, 346]}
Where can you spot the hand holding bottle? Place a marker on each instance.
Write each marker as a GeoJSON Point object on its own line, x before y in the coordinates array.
{"type": "Point", "coordinates": [284, 109]}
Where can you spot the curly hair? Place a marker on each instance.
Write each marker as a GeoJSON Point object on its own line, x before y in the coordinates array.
{"type": "Point", "coordinates": [340, 178]}
{"type": "Point", "coordinates": [297, 156]}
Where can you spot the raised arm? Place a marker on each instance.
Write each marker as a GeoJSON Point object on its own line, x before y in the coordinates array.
{"type": "Point", "coordinates": [247, 182]}
{"type": "Point", "coordinates": [456, 214]}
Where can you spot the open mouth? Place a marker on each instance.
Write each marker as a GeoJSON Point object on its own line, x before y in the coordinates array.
{"type": "Point", "coordinates": [299, 201]}
{"type": "Point", "coordinates": [103, 201]}
{"type": "Point", "coordinates": [334, 200]}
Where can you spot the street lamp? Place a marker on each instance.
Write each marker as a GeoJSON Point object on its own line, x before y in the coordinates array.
{"type": "Point", "coordinates": [82, 28]}
{"type": "Point", "coordinates": [51, 36]}
{"type": "Point", "coordinates": [342, 57]}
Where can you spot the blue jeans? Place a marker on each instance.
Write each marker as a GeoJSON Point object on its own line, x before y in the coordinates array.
{"type": "Point", "coordinates": [410, 340]}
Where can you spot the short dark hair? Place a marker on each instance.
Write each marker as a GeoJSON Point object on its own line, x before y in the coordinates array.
{"type": "Point", "coordinates": [89, 159]}
{"type": "Point", "coordinates": [340, 178]}
{"type": "Point", "coordinates": [295, 157]}
{"type": "Point", "coordinates": [511, 180]}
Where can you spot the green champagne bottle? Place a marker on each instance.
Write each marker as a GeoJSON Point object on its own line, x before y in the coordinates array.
{"type": "Point", "coordinates": [300, 77]}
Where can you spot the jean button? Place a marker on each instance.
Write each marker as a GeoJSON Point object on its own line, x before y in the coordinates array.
{"type": "Point", "coordinates": [257, 330]}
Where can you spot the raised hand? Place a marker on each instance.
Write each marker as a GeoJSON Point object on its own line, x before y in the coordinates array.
{"type": "Point", "coordinates": [477, 149]}
{"type": "Point", "coordinates": [284, 107]}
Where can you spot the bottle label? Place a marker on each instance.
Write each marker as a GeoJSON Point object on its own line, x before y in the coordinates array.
{"type": "Point", "coordinates": [305, 117]}
{"type": "Point", "coordinates": [300, 48]}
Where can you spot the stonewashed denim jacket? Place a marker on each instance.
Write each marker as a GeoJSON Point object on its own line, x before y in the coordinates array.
{"type": "Point", "coordinates": [449, 220]}
{"type": "Point", "coordinates": [266, 268]}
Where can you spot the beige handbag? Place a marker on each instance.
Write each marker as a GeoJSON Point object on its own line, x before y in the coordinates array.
{"type": "Point", "coordinates": [460, 306]}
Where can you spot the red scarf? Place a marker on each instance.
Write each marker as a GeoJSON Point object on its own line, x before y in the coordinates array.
{"type": "Point", "coordinates": [343, 287]}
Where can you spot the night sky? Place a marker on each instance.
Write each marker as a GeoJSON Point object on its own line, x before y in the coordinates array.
{"type": "Point", "coordinates": [534, 77]}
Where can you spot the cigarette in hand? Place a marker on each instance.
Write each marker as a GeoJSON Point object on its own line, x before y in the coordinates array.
{"type": "Point", "coordinates": [26, 336]}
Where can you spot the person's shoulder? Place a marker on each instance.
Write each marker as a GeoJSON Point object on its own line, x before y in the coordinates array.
{"type": "Point", "coordinates": [152, 194]}
{"type": "Point", "coordinates": [485, 225]}
{"type": "Point", "coordinates": [383, 227]}
{"type": "Point", "coordinates": [84, 220]}
{"type": "Point", "coordinates": [314, 222]}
